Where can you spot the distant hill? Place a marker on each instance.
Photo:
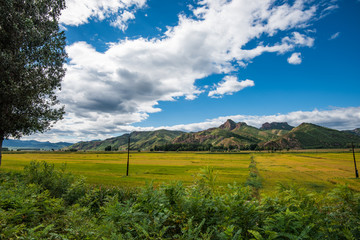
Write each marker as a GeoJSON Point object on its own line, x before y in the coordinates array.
{"type": "Point", "coordinates": [276, 125]}
{"type": "Point", "coordinates": [138, 140]}
{"type": "Point", "coordinates": [228, 134]}
{"type": "Point", "coordinates": [311, 136]}
{"type": "Point", "coordinates": [356, 131]}
{"type": "Point", "coordinates": [32, 144]}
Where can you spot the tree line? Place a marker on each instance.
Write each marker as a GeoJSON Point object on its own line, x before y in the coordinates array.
{"type": "Point", "coordinates": [204, 147]}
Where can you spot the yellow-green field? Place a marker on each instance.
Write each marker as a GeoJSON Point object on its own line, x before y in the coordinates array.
{"type": "Point", "coordinates": [313, 170]}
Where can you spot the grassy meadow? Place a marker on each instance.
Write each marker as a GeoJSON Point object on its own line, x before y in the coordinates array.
{"type": "Point", "coordinates": [312, 170]}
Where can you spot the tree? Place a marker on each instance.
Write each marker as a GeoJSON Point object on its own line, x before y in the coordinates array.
{"type": "Point", "coordinates": [32, 55]}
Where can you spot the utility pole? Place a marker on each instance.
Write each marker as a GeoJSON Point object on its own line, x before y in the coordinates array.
{"type": "Point", "coordinates": [356, 171]}
{"type": "Point", "coordinates": [127, 166]}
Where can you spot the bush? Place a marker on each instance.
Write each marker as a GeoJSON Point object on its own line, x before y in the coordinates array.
{"type": "Point", "coordinates": [57, 182]}
{"type": "Point", "coordinates": [27, 210]}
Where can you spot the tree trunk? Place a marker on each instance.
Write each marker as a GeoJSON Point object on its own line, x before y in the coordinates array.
{"type": "Point", "coordinates": [1, 142]}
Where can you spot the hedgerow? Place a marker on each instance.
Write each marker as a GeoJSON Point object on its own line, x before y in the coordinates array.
{"type": "Point", "coordinates": [48, 203]}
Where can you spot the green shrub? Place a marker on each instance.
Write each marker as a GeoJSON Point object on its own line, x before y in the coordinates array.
{"type": "Point", "coordinates": [57, 182]}
{"type": "Point", "coordinates": [26, 210]}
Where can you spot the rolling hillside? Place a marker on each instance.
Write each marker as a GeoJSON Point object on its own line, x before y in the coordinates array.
{"type": "Point", "coordinates": [139, 141]}
{"type": "Point", "coordinates": [356, 131]}
{"type": "Point", "coordinates": [311, 136]}
{"type": "Point", "coordinates": [32, 144]}
{"type": "Point", "coordinates": [229, 134]}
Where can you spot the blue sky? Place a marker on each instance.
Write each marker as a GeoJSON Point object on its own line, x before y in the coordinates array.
{"type": "Point", "coordinates": [189, 65]}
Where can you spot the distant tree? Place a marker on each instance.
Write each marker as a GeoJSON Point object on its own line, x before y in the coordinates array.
{"type": "Point", "coordinates": [32, 54]}
{"type": "Point", "coordinates": [108, 148]}
{"type": "Point", "coordinates": [252, 147]}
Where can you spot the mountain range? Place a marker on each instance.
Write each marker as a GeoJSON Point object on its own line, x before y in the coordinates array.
{"type": "Point", "coordinates": [32, 144]}
{"type": "Point", "coordinates": [230, 135]}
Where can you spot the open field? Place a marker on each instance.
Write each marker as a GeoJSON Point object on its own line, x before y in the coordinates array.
{"type": "Point", "coordinates": [313, 170]}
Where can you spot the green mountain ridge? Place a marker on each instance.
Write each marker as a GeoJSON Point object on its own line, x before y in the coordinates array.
{"type": "Point", "coordinates": [228, 134]}
{"type": "Point", "coordinates": [276, 125]}
{"type": "Point", "coordinates": [311, 136]}
{"type": "Point", "coordinates": [32, 144]}
{"type": "Point", "coordinates": [356, 131]}
{"type": "Point", "coordinates": [138, 141]}
{"type": "Point", "coordinates": [231, 135]}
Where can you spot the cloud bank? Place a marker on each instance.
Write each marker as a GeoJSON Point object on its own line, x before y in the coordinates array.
{"type": "Point", "coordinates": [338, 118]}
{"type": "Point", "coordinates": [230, 85]}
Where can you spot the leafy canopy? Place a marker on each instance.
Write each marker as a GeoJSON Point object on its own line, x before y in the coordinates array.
{"type": "Point", "coordinates": [32, 54]}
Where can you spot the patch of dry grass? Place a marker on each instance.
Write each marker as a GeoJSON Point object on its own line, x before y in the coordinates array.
{"type": "Point", "coordinates": [110, 169]}
{"type": "Point", "coordinates": [317, 170]}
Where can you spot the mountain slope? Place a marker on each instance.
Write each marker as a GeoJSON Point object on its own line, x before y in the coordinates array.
{"type": "Point", "coordinates": [356, 131]}
{"type": "Point", "coordinates": [311, 136]}
{"type": "Point", "coordinates": [276, 125]}
{"type": "Point", "coordinates": [16, 144]}
{"type": "Point", "coordinates": [250, 131]}
{"type": "Point", "coordinates": [229, 134]}
{"type": "Point", "coordinates": [138, 140]}
{"type": "Point", "coordinates": [216, 137]}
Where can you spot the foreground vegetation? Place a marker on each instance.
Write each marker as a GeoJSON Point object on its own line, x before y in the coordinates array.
{"type": "Point", "coordinates": [44, 202]}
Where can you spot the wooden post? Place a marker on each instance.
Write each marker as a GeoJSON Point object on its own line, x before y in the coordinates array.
{"type": "Point", "coordinates": [128, 158]}
{"type": "Point", "coordinates": [1, 143]}
{"type": "Point", "coordinates": [356, 171]}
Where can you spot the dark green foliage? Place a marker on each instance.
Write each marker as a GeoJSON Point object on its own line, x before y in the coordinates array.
{"type": "Point", "coordinates": [254, 180]}
{"type": "Point", "coordinates": [34, 205]}
{"type": "Point", "coordinates": [57, 182]}
{"type": "Point", "coordinates": [32, 54]}
{"type": "Point", "coordinates": [184, 147]}
{"type": "Point", "coordinates": [26, 209]}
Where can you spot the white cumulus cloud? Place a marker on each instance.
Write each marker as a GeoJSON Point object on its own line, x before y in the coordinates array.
{"type": "Point", "coordinates": [122, 19]}
{"type": "Point", "coordinates": [230, 85]}
{"type": "Point", "coordinates": [79, 12]}
{"type": "Point", "coordinates": [295, 58]}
